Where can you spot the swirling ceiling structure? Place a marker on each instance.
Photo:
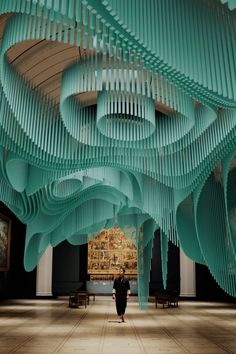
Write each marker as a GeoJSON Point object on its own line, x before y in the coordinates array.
{"type": "Point", "coordinates": [121, 112]}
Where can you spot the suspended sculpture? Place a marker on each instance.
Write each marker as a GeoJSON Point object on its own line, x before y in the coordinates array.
{"type": "Point", "coordinates": [141, 133]}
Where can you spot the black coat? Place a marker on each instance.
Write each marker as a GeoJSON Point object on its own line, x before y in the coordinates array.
{"type": "Point", "coordinates": [121, 286]}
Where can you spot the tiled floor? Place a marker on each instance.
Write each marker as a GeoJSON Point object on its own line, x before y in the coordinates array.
{"type": "Point", "coordinates": [44, 326]}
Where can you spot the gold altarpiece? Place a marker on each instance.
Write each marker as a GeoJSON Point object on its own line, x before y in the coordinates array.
{"type": "Point", "coordinates": [110, 250]}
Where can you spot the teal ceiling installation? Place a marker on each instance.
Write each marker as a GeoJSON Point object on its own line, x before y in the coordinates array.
{"type": "Point", "coordinates": [117, 112]}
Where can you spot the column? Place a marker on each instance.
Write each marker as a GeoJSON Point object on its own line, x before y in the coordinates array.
{"type": "Point", "coordinates": [187, 276]}
{"type": "Point", "coordinates": [44, 274]}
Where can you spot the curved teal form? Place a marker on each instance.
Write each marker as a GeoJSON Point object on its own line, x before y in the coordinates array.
{"type": "Point", "coordinates": [186, 228]}
{"type": "Point", "coordinates": [231, 3]}
{"type": "Point", "coordinates": [69, 170]}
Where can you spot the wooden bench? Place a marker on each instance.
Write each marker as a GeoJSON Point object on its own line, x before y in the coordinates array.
{"type": "Point", "coordinates": [168, 298]}
{"type": "Point", "coordinates": [79, 297]}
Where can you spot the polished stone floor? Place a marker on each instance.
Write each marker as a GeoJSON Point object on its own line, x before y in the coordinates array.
{"type": "Point", "coordinates": [43, 326]}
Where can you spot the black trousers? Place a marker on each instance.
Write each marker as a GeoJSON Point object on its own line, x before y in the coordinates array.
{"type": "Point", "coordinates": [121, 303]}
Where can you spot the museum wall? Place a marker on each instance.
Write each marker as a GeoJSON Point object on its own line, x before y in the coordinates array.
{"type": "Point", "coordinates": [69, 270]}
{"type": "Point", "coordinates": [16, 283]}
{"type": "Point", "coordinates": [173, 279]}
{"type": "Point", "coordinates": [207, 288]}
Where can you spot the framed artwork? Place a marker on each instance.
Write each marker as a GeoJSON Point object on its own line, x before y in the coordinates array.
{"type": "Point", "coordinates": [5, 239]}
{"type": "Point", "coordinates": [110, 250]}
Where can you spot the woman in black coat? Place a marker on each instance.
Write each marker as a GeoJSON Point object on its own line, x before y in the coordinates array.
{"type": "Point", "coordinates": [120, 293]}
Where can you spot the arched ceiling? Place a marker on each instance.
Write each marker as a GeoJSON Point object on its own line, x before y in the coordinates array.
{"type": "Point", "coordinates": [42, 63]}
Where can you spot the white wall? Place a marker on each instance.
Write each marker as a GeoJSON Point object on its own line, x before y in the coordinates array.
{"type": "Point", "coordinates": [44, 274]}
{"type": "Point", "coordinates": [187, 276]}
